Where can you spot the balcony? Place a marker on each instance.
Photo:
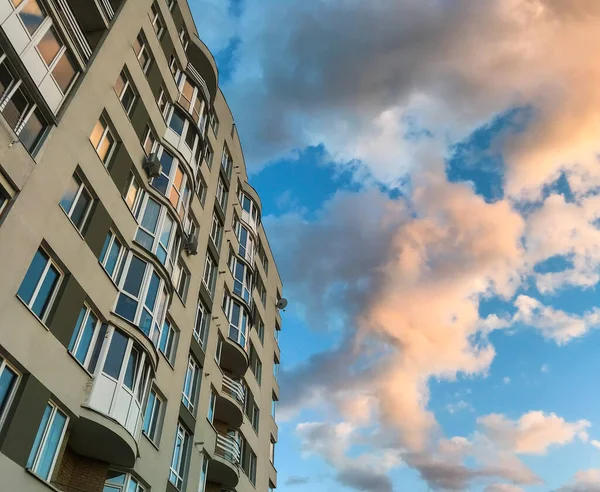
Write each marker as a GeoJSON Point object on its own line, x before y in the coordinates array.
{"type": "Point", "coordinates": [87, 19]}
{"type": "Point", "coordinates": [230, 402]}
{"type": "Point", "coordinates": [224, 468]}
{"type": "Point", "coordinates": [234, 357]}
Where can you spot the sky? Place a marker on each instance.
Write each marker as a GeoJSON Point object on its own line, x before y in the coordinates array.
{"type": "Point", "coordinates": [431, 191]}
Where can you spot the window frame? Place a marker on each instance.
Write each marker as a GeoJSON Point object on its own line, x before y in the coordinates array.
{"type": "Point", "coordinates": [126, 486]}
{"type": "Point", "coordinates": [156, 19]}
{"type": "Point", "coordinates": [9, 397]}
{"type": "Point", "coordinates": [190, 401]}
{"type": "Point", "coordinates": [201, 324]}
{"type": "Point", "coordinates": [170, 334]}
{"type": "Point", "coordinates": [154, 419]}
{"type": "Point", "coordinates": [33, 461]}
{"type": "Point", "coordinates": [81, 187]}
{"type": "Point", "coordinates": [179, 464]}
{"type": "Point", "coordinates": [127, 84]}
{"type": "Point", "coordinates": [106, 131]}
{"type": "Point", "coordinates": [143, 48]}
{"type": "Point", "coordinates": [109, 242]}
{"type": "Point", "coordinates": [221, 194]}
{"type": "Point", "coordinates": [216, 232]}
{"type": "Point", "coordinates": [241, 325]}
{"type": "Point", "coordinates": [212, 405]}
{"type": "Point", "coordinates": [210, 267]}
{"type": "Point", "coordinates": [93, 350]}
{"type": "Point", "coordinates": [49, 303]}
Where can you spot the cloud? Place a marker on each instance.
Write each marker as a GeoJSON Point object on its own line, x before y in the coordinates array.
{"type": "Point", "coordinates": [595, 443]}
{"type": "Point", "coordinates": [584, 481]}
{"type": "Point", "coordinates": [545, 368]}
{"type": "Point", "coordinates": [296, 480]}
{"type": "Point", "coordinates": [503, 487]}
{"type": "Point", "coordinates": [453, 408]}
{"type": "Point", "coordinates": [506, 380]}
{"type": "Point", "coordinates": [553, 323]}
{"type": "Point", "coordinates": [534, 433]}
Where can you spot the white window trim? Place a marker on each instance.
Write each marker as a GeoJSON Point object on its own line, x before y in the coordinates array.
{"type": "Point", "coordinates": [82, 186]}
{"type": "Point", "coordinates": [107, 131]}
{"type": "Point", "coordinates": [212, 405]}
{"type": "Point", "coordinates": [219, 231]}
{"type": "Point", "coordinates": [156, 17]}
{"type": "Point", "coordinates": [221, 194]}
{"type": "Point", "coordinates": [201, 332]}
{"type": "Point", "coordinates": [209, 264]}
{"type": "Point", "coordinates": [43, 442]}
{"type": "Point", "coordinates": [182, 207]}
{"type": "Point", "coordinates": [246, 282]}
{"type": "Point", "coordinates": [183, 457]}
{"type": "Point", "coordinates": [172, 336]}
{"type": "Point", "coordinates": [141, 39]}
{"type": "Point", "coordinates": [125, 487]}
{"type": "Point", "coordinates": [122, 253]}
{"type": "Point", "coordinates": [97, 329]}
{"type": "Point", "coordinates": [49, 262]}
{"type": "Point", "coordinates": [11, 395]}
{"type": "Point", "coordinates": [123, 74]}
{"type": "Point", "coordinates": [229, 303]}
{"type": "Point", "coordinates": [203, 473]}
{"type": "Point", "coordinates": [194, 383]}
{"type": "Point", "coordinates": [155, 416]}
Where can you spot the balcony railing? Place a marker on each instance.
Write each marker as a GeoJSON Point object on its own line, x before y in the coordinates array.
{"type": "Point", "coordinates": [234, 388]}
{"type": "Point", "coordinates": [227, 447]}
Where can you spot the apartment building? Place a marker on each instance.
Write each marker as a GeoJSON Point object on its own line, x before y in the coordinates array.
{"type": "Point", "coordinates": [139, 298]}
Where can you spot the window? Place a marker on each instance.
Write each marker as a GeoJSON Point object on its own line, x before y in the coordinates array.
{"type": "Point", "coordinates": [260, 329]}
{"type": "Point", "coordinates": [272, 451]}
{"type": "Point", "coordinates": [9, 380]}
{"type": "Point", "coordinates": [40, 285]}
{"type": "Point", "coordinates": [125, 92]}
{"type": "Point", "coordinates": [177, 121]}
{"type": "Point", "coordinates": [55, 55]}
{"type": "Point", "coordinates": [253, 413]}
{"type": "Point", "coordinates": [262, 292]}
{"type": "Point", "coordinates": [221, 195]}
{"type": "Point", "coordinates": [271, 486]}
{"type": "Point", "coordinates": [133, 194]}
{"type": "Point", "coordinates": [201, 323]}
{"type": "Point", "coordinates": [226, 162]}
{"type": "Point", "coordinates": [150, 141]}
{"type": "Point", "coordinates": [210, 274]}
{"type": "Point", "coordinates": [211, 405]}
{"type": "Point", "coordinates": [153, 416]}
{"type": "Point", "coordinates": [162, 101]}
{"type": "Point", "coordinates": [203, 474]}
{"type": "Point", "coordinates": [19, 108]}
{"type": "Point", "coordinates": [242, 278]}
{"type": "Point", "coordinates": [181, 279]}
{"type": "Point", "coordinates": [209, 155]}
{"type": "Point", "coordinates": [181, 453]}
{"type": "Point", "coordinates": [47, 442]}
{"type": "Point", "coordinates": [214, 122]}
{"type": "Point", "coordinates": [174, 68]}
{"type": "Point", "coordinates": [238, 320]}
{"type": "Point", "coordinates": [216, 231]}
{"type": "Point", "coordinates": [255, 364]}
{"type": "Point", "coordinates": [4, 198]}
{"type": "Point", "coordinates": [156, 19]}
{"type": "Point", "coordinates": [142, 299]}
{"type": "Point", "coordinates": [87, 339]}
{"type": "Point", "coordinates": [172, 182]}
{"type": "Point", "coordinates": [183, 37]}
{"type": "Point", "coordinates": [191, 385]}
{"type": "Point", "coordinates": [202, 189]}
{"type": "Point", "coordinates": [168, 341]}
{"type": "Point", "coordinates": [252, 467]}
{"type": "Point", "coordinates": [142, 53]}
{"type": "Point", "coordinates": [219, 350]}
{"type": "Point", "coordinates": [273, 405]}
{"type": "Point", "coordinates": [263, 257]}
{"type": "Point", "coordinates": [31, 16]}
{"type": "Point", "coordinates": [118, 481]}
{"type": "Point", "coordinates": [246, 241]}
{"type": "Point", "coordinates": [171, 4]}
{"type": "Point", "coordinates": [77, 202]}
{"type": "Point", "coordinates": [275, 367]}
{"type": "Point", "coordinates": [103, 140]}
{"type": "Point", "coordinates": [250, 212]}
{"type": "Point", "coordinates": [277, 331]}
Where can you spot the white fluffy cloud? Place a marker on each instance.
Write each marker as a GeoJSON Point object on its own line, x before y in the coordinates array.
{"type": "Point", "coordinates": [584, 481]}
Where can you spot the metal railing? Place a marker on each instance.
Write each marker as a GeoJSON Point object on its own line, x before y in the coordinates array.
{"type": "Point", "coordinates": [74, 28]}
{"type": "Point", "coordinates": [234, 388]}
{"type": "Point", "coordinates": [227, 447]}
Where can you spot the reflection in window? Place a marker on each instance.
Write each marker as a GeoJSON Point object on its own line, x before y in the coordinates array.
{"type": "Point", "coordinates": [32, 15]}
{"type": "Point", "coordinates": [87, 339]}
{"type": "Point", "coordinates": [179, 461]}
{"type": "Point", "coordinates": [112, 254]}
{"type": "Point", "coordinates": [9, 379]}
{"type": "Point", "coordinates": [77, 202]}
{"type": "Point", "coordinates": [103, 140]}
{"type": "Point", "coordinates": [117, 481]}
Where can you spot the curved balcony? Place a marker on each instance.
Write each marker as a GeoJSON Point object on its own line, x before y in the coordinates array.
{"type": "Point", "coordinates": [230, 402]}
{"type": "Point", "coordinates": [234, 357]}
{"type": "Point", "coordinates": [203, 63]}
{"type": "Point", "coordinates": [224, 467]}
{"type": "Point", "coordinates": [99, 437]}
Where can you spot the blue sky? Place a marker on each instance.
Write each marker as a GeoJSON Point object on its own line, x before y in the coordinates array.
{"type": "Point", "coordinates": [430, 185]}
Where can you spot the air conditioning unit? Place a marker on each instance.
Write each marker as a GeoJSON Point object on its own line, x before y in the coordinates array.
{"type": "Point", "coordinates": [191, 245]}
{"type": "Point", "coordinates": [152, 166]}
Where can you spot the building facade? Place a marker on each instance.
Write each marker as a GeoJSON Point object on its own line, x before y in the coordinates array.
{"type": "Point", "coordinates": [138, 294]}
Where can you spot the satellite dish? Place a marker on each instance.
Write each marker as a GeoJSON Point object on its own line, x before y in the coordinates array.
{"type": "Point", "coordinates": [282, 303]}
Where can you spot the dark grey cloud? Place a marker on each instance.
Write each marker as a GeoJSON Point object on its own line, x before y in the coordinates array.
{"type": "Point", "coordinates": [296, 480]}
{"type": "Point", "coordinates": [365, 480]}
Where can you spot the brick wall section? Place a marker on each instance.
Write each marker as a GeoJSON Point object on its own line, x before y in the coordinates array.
{"type": "Point", "coordinates": [79, 474]}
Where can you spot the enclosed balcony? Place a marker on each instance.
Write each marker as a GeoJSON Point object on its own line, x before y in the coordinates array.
{"type": "Point", "coordinates": [230, 402]}
{"type": "Point", "coordinates": [224, 468]}
{"type": "Point", "coordinates": [92, 16]}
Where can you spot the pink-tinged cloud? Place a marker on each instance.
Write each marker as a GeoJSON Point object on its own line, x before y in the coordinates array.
{"type": "Point", "coordinates": [533, 433]}
{"type": "Point", "coordinates": [584, 481]}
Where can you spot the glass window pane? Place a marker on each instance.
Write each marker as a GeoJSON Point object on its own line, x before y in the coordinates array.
{"type": "Point", "coordinates": [32, 16]}
{"type": "Point", "coordinates": [115, 355]}
{"type": "Point", "coordinates": [135, 275]}
{"type": "Point", "coordinates": [86, 338]}
{"type": "Point", "coordinates": [116, 477]}
{"type": "Point", "coordinates": [120, 84]}
{"type": "Point", "coordinates": [33, 130]}
{"type": "Point", "coordinates": [177, 122]}
{"type": "Point", "coordinates": [149, 412]}
{"type": "Point", "coordinates": [126, 307]}
{"type": "Point", "coordinates": [39, 435]}
{"type": "Point", "coordinates": [6, 78]}
{"type": "Point", "coordinates": [77, 327]}
{"type": "Point", "coordinates": [128, 98]}
{"type": "Point", "coordinates": [51, 446]}
{"type": "Point", "coordinates": [131, 371]}
{"type": "Point", "coordinates": [15, 108]}
{"type": "Point", "coordinates": [105, 147]}
{"type": "Point", "coordinates": [64, 72]}
{"type": "Point", "coordinates": [97, 133]}
{"type": "Point", "coordinates": [67, 200]}
{"type": "Point", "coordinates": [81, 207]}
{"type": "Point", "coordinates": [45, 293]}
{"type": "Point", "coordinates": [97, 348]}
{"type": "Point", "coordinates": [8, 379]}
{"type": "Point", "coordinates": [132, 193]}
{"type": "Point", "coordinates": [152, 291]}
{"type": "Point", "coordinates": [150, 219]}
{"type": "Point", "coordinates": [49, 46]}
{"type": "Point", "coordinates": [113, 256]}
